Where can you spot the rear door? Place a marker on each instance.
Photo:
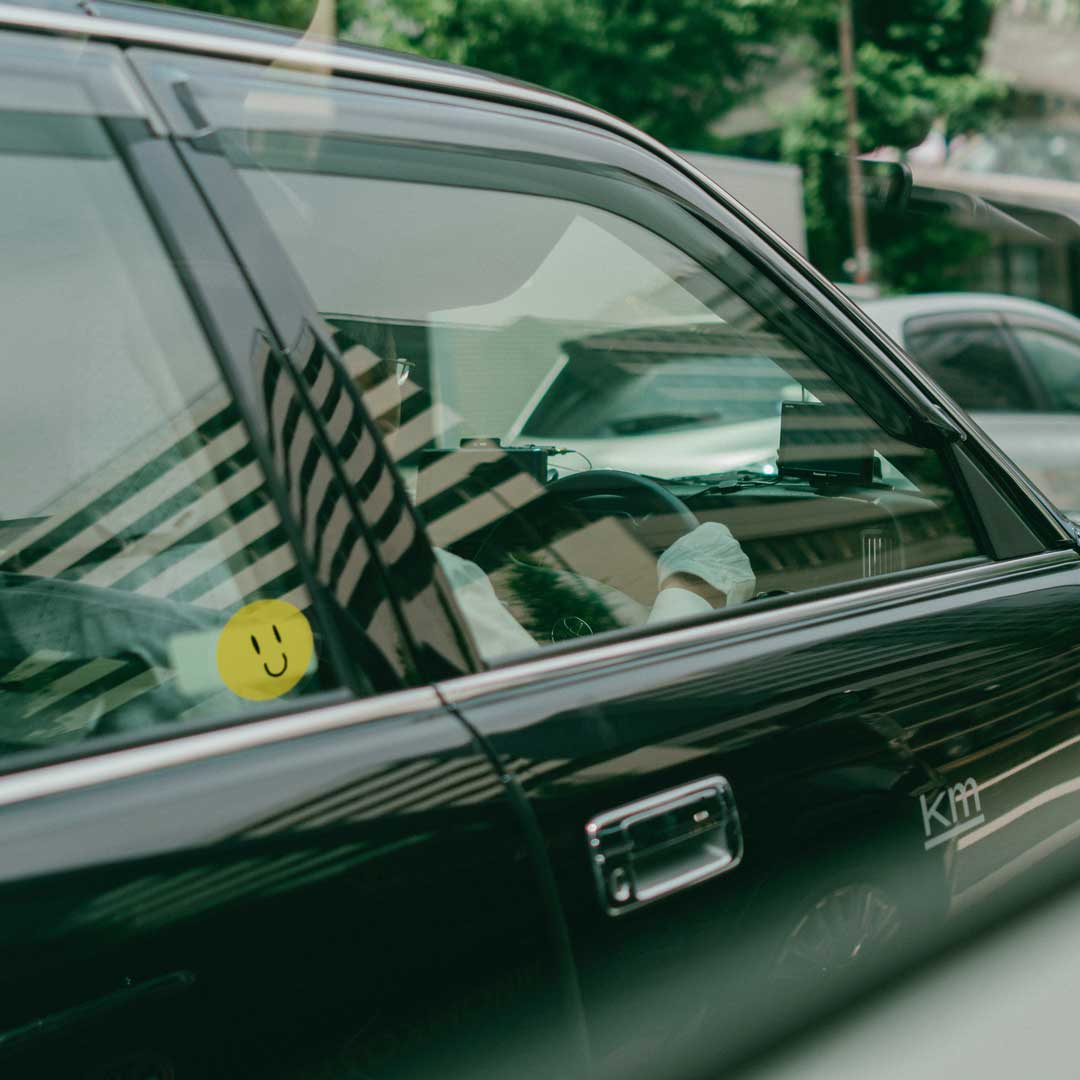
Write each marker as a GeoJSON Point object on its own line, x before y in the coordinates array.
{"type": "Point", "coordinates": [242, 836]}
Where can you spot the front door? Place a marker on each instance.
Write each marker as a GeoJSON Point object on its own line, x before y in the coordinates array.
{"type": "Point", "coordinates": [742, 605]}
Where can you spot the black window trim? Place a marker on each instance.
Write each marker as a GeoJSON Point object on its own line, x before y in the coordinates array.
{"type": "Point", "coordinates": [292, 314]}
{"type": "Point", "coordinates": [193, 243]}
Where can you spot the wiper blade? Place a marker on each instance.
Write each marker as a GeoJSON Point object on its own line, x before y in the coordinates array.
{"type": "Point", "coordinates": [718, 479]}
{"type": "Point", "coordinates": [640, 425]}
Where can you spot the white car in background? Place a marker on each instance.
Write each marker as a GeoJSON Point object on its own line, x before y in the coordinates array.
{"type": "Point", "coordinates": [1013, 364]}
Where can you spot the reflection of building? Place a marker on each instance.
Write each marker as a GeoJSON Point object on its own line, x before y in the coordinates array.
{"type": "Point", "coordinates": [1033, 48]}
{"type": "Point", "coordinates": [1029, 165]}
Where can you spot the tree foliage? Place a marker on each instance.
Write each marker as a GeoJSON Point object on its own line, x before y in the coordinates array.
{"type": "Point", "coordinates": [916, 61]}
{"type": "Point", "coordinates": [292, 14]}
{"type": "Point", "coordinates": [668, 66]}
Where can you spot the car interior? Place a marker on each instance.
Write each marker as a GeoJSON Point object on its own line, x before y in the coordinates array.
{"type": "Point", "coordinates": [577, 390]}
{"type": "Point", "coordinates": [572, 527]}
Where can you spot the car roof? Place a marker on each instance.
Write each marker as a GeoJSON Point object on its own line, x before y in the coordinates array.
{"type": "Point", "coordinates": [891, 313]}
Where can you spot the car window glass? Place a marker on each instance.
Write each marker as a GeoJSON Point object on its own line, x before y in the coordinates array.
{"type": "Point", "coordinates": [1056, 363]}
{"type": "Point", "coordinates": [135, 521]}
{"type": "Point", "coordinates": [973, 363]}
{"type": "Point", "coordinates": [597, 364]}
{"type": "Point", "coordinates": [599, 430]}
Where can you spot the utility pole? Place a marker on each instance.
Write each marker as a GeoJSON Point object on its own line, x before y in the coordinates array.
{"type": "Point", "coordinates": [324, 21]}
{"type": "Point", "coordinates": [860, 239]}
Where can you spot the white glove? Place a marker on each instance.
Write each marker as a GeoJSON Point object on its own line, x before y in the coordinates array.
{"type": "Point", "coordinates": [713, 554]}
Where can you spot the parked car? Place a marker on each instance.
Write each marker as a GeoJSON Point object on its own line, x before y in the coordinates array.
{"type": "Point", "coordinates": [1013, 363]}
{"type": "Point", "coordinates": [268, 806]}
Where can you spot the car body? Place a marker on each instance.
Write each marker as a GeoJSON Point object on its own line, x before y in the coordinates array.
{"type": "Point", "coordinates": [1024, 372]}
{"type": "Point", "coordinates": [630, 848]}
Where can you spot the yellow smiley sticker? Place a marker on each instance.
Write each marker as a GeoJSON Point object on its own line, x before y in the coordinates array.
{"type": "Point", "coordinates": [264, 649]}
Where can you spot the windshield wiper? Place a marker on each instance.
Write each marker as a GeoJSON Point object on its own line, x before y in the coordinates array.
{"type": "Point", "coordinates": [726, 481]}
{"type": "Point", "coordinates": [639, 425]}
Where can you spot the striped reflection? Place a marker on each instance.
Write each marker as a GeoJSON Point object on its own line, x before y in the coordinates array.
{"type": "Point", "coordinates": [181, 523]}
{"type": "Point", "coordinates": [245, 868]}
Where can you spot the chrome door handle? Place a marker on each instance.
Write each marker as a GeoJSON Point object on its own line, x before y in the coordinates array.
{"type": "Point", "coordinates": [650, 848]}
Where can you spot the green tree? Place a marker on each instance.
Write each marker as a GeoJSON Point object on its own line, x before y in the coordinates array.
{"type": "Point", "coordinates": [293, 14]}
{"type": "Point", "coordinates": [668, 66]}
{"type": "Point", "coordinates": [917, 61]}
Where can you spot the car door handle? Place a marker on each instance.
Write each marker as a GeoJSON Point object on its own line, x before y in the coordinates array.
{"type": "Point", "coordinates": [651, 848]}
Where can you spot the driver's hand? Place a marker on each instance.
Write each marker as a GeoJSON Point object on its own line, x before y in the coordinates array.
{"type": "Point", "coordinates": [710, 563]}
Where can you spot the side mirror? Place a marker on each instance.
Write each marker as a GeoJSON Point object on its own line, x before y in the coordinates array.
{"type": "Point", "coordinates": [885, 185]}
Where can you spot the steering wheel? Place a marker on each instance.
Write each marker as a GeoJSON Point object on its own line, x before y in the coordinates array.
{"type": "Point", "coordinates": [568, 505]}
{"type": "Point", "coordinates": [627, 486]}
{"type": "Point", "coordinates": [563, 507]}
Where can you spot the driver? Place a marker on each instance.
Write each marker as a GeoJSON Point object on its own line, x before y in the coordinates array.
{"type": "Point", "coordinates": [703, 570]}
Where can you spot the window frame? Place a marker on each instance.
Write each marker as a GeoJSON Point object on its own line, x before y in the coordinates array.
{"type": "Point", "coordinates": [497, 109]}
{"type": "Point", "coordinates": [176, 211]}
{"type": "Point", "coordinates": [291, 316]}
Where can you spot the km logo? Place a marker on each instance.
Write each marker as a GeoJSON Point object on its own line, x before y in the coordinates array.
{"type": "Point", "coordinates": [950, 814]}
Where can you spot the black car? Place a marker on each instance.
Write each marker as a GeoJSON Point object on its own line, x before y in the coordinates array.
{"type": "Point", "coordinates": [350, 732]}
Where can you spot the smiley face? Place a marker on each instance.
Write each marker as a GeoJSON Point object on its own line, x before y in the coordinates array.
{"type": "Point", "coordinates": [264, 649]}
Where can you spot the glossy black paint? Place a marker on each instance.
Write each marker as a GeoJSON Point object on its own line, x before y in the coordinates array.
{"type": "Point", "coordinates": [279, 911]}
{"type": "Point", "coordinates": [277, 904]}
{"type": "Point", "coordinates": [829, 731]}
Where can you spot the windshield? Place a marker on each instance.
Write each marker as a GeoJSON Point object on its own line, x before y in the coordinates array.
{"type": "Point", "coordinates": [593, 333]}
{"type": "Point", "coordinates": [657, 380]}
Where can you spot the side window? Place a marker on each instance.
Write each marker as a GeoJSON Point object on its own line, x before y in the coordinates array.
{"type": "Point", "coordinates": [135, 522]}
{"type": "Point", "coordinates": [973, 362]}
{"type": "Point", "coordinates": [606, 416]}
{"type": "Point", "coordinates": [1056, 362]}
